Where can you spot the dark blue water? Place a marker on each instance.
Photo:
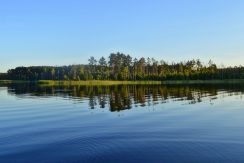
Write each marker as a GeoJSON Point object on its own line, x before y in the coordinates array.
{"type": "Point", "coordinates": [121, 124]}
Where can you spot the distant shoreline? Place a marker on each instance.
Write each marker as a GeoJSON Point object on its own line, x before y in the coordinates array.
{"type": "Point", "coordinates": [103, 82]}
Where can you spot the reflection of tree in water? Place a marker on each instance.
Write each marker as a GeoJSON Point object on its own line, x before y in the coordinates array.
{"type": "Point", "coordinates": [122, 97]}
{"type": "Point", "coordinates": [119, 99]}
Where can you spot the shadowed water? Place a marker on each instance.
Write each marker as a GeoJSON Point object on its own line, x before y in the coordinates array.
{"type": "Point", "coordinates": [197, 123]}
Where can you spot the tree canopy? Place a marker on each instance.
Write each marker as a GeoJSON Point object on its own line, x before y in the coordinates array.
{"type": "Point", "coordinates": [120, 66]}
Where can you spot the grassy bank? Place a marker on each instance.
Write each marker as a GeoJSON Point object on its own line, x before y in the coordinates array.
{"type": "Point", "coordinates": [189, 82]}
{"type": "Point", "coordinates": [100, 82]}
{"type": "Point", "coordinates": [89, 82]}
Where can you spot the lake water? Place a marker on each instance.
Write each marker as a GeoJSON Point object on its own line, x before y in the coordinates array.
{"type": "Point", "coordinates": [122, 123]}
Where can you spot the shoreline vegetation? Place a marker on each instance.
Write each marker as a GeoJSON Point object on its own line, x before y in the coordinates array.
{"type": "Point", "coordinates": [119, 68]}
{"type": "Point", "coordinates": [107, 83]}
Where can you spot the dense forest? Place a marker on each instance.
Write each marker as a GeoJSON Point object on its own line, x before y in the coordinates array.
{"type": "Point", "coordinates": [119, 66]}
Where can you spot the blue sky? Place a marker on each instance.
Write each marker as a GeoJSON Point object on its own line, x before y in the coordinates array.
{"type": "Point", "coordinates": [60, 32]}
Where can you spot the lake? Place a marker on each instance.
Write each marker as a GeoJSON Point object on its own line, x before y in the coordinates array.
{"type": "Point", "coordinates": [196, 123]}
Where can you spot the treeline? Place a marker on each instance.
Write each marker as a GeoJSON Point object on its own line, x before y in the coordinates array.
{"type": "Point", "coordinates": [119, 66]}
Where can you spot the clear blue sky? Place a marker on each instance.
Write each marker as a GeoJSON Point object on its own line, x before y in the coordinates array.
{"type": "Point", "coordinates": [59, 32]}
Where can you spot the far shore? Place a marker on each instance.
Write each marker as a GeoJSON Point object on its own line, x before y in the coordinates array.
{"type": "Point", "coordinates": [103, 82]}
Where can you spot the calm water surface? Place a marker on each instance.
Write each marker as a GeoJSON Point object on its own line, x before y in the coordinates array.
{"type": "Point", "coordinates": [122, 123]}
